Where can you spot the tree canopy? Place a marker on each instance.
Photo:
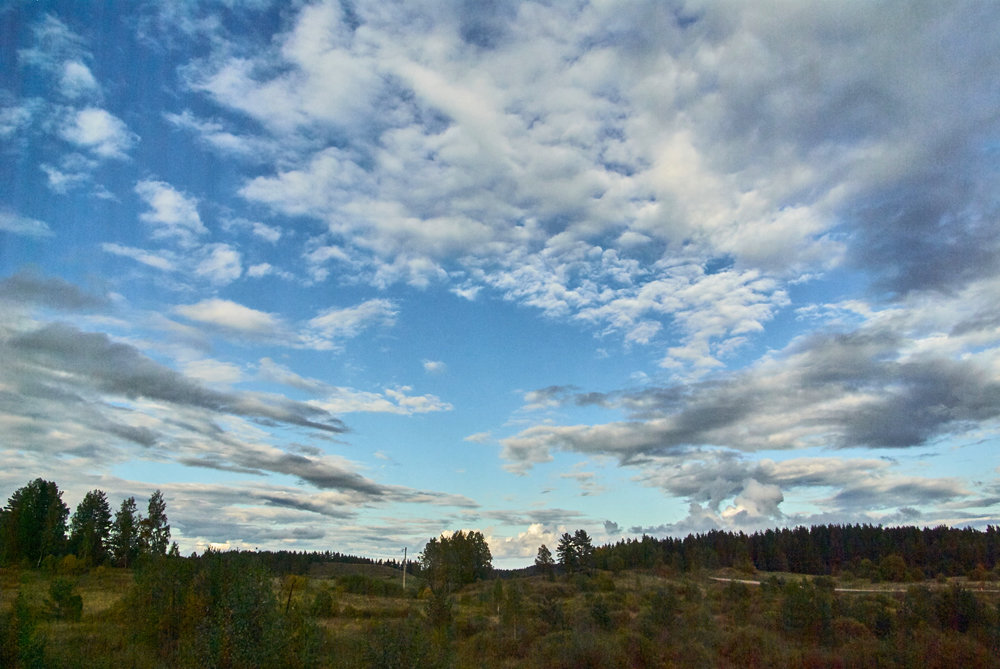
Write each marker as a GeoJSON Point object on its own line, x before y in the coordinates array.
{"type": "Point", "coordinates": [33, 524]}
{"type": "Point", "coordinates": [90, 528]}
{"type": "Point", "coordinates": [452, 561]}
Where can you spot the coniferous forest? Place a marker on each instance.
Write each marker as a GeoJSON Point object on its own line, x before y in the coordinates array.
{"type": "Point", "coordinates": [98, 588]}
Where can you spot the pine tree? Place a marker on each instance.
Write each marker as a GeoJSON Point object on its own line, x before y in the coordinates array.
{"type": "Point", "coordinates": [154, 530]}
{"type": "Point", "coordinates": [544, 563]}
{"type": "Point", "coordinates": [566, 550]}
{"type": "Point", "coordinates": [584, 548]}
{"type": "Point", "coordinates": [90, 528]}
{"type": "Point", "coordinates": [124, 541]}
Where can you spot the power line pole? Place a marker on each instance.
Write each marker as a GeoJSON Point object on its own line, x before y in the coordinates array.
{"type": "Point", "coordinates": [404, 568]}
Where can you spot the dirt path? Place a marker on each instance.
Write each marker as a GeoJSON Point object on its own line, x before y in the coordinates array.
{"type": "Point", "coordinates": [889, 588]}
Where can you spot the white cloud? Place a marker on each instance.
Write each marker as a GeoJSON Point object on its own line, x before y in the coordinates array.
{"type": "Point", "coordinates": [158, 261]}
{"type": "Point", "coordinates": [221, 265]}
{"type": "Point", "coordinates": [347, 322]}
{"type": "Point", "coordinates": [171, 213]}
{"type": "Point", "coordinates": [102, 133]}
{"type": "Point", "coordinates": [21, 225]}
{"type": "Point", "coordinates": [340, 400]}
{"type": "Point", "coordinates": [77, 80]}
{"type": "Point", "coordinates": [214, 372]}
{"type": "Point", "coordinates": [229, 315]}
{"type": "Point", "coordinates": [435, 367]}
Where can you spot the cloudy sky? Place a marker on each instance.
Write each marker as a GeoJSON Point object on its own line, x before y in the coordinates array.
{"type": "Point", "coordinates": [343, 275]}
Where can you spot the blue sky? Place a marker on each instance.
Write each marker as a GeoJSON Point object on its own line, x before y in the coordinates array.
{"type": "Point", "coordinates": [345, 275]}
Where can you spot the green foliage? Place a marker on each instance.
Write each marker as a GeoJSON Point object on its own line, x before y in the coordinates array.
{"type": "Point", "coordinates": [65, 603]}
{"type": "Point", "coordinates": [892, 568]}
{"type": "Point", "coordinates": [323, 605]}
{"type": "Point", "coordinates": [399, 645]}
{"type": "Point", "coordinates": [807, 611]}
{"type": "Point", "coordinates": [440, 610]}
{"type": "Point", "coordinates": [21, 644]}
{"type": "Point", "coordinates": [361, 584]}
{"type": "Point", "coordinates": [220, 610]}
{"type": "Point", "coordinates": [449, 562]}
{"type": "Point", "coordinates": [575, 551]}
{"type": "Point", "coordinates": [33, 524]}
{"type": "Point", "coordinates": [154, 532]}
{"type": "Point", "coordinates": [124, 541]}
{"type": "Point", "coordinates": [958, 609]}
{"type": "Point", "coordinates": [90, 528]}
{"type": "Point", "coordinates": [544, 562]}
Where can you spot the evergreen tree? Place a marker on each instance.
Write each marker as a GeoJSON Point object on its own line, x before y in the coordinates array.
{"type": "Point", "coordinates": [90, 528]}
{"type": "Point", "coordinates": [33, 524]}
{"type": "Point", "coordinates": [154, 530]}
{"type": "Point", "coordinates": [125, 542]}
{"type": "Point", "coordinates": [584, 548]}
{"type": "Point", "coordinates": [544, 563]}
{"type": "Point", "coordinates": [566, 550]}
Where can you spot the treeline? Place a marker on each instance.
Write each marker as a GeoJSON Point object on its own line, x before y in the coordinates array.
{"type": "Point", "coordinates": [300, 562]}
{"type": "Point", "coordinates": [868, 551]}
{"type": "Point", "coordinates": [36, 525]}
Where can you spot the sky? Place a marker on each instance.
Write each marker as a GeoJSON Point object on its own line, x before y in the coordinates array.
{"type": "Point", "coordinates": [345, 275]}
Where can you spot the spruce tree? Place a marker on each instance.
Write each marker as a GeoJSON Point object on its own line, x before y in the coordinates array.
{"type": "Point", "coordinates": [90, 528]}
{"type": "Point", "coordinates": [125, 542]}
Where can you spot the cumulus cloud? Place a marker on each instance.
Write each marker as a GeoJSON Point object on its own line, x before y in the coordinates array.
{"type": "Point", "coordinates": [100, 132]}
{"type": "Point", "coordinates": [613, 197]}
{"type": "Point", "coordinates": [76, 80]}
{"type": "Point", "coordinates": [171, 214]}
{"type": "Point", "coordinates": [222, 264]}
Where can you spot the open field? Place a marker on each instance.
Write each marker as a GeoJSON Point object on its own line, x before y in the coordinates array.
{"type": "Point", "coordinates": [359, 615]}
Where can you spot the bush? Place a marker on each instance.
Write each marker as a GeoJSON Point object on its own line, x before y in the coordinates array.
{"type": "Point", "coordinates": [322, 604]}
{"type": "Point", "coordinates": [219, 610]}
{"type": "Point", "coordinates": [65, 604]}
{"type": "Point", "coordinates": [20, 643]}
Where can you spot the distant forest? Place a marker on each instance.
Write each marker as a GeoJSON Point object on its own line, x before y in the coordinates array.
{"type": "Point", "coordinates": [35, 524]}
{"type": "Point", "coordinates": [867, 551]}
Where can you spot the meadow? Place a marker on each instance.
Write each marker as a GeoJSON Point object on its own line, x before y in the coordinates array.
{"type": "Point", "coordinates": [230, 610]}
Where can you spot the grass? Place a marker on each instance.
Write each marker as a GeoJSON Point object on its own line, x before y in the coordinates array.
{"type": "Point", "coordinates": [633, 618]}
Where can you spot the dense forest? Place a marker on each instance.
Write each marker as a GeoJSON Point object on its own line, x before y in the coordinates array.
{"type": "Point", "coordinates": [819, 550]}
{"type": "Point", "coordinates": [96, 589]}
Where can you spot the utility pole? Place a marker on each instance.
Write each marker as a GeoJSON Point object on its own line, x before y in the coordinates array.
{"type": "Point", "coordinates": [404, 568]}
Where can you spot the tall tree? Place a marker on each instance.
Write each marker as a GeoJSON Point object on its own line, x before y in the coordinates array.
{"type": "Point", "coordinates": [90, 528]}
{"type": "Point", "coordinates": [125, 542]}
{"type": "Point", "coordinates": [449, 562]}
{"type": "Point", "coordinates": [584, 548]}
{"type": "Point", "coordinates": [154, 530]}
{"type": "Point", "coordinates": [33, 524]}
{"type": "Point", "coordinates": [544, 563]}
{"type": "Point", "coordinates": [566, 550]}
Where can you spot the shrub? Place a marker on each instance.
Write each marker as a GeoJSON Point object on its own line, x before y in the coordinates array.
{"type": "Point", "coordinates": [20, 643]}
{"type": "Point", "coordinates": [322, 604]}
{"type": "Point", "coordinates": [65, 604]}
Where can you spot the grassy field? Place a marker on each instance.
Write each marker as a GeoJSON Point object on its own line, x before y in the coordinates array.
{"type": "Point", "coordinates": [347, 615]}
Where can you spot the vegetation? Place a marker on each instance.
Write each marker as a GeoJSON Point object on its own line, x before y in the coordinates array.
{"type": "Point", "coordinates": [706, 600]}
{"type": "Point", "coordinates": [449, 562]}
